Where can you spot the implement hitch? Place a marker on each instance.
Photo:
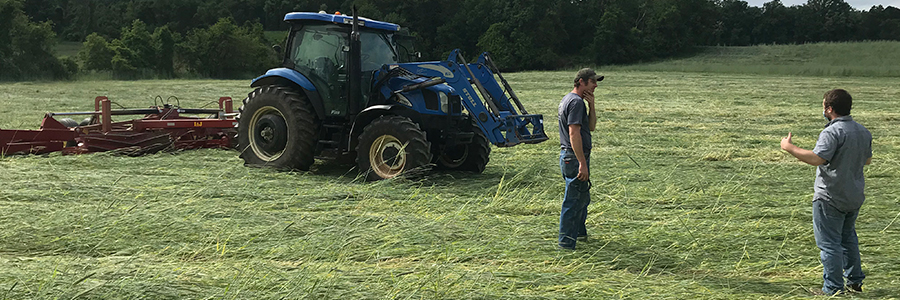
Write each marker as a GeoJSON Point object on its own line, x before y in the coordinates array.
{"type": "Point", "coordinates": [162, 127]}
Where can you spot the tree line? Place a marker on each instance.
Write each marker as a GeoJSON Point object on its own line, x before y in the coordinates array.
{"type": "Point", "coordinates": [225, 38]}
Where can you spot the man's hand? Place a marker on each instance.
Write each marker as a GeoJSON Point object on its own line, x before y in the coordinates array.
{"type": "Point", "coordinates": [588, 96]}
{"type": "Point", "coordinates": [802, 154]}
{"type": "Point", "coordinates": [786, 142]}
{"type": "Point", "coordinates": [583, 174]}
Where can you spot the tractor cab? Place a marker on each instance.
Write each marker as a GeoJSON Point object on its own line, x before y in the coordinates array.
{"type": "Point", "coordinates": [318, 47]}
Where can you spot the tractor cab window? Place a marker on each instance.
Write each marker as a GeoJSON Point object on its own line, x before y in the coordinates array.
{"type": "Point", "coordinates": [377, 50]}
{"type": "Point", "coordinates": [317, 52]}
{"type": "Point", "coordinates": [406, 48]}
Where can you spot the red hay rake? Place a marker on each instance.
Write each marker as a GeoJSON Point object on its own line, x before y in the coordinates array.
{"type": "Point", "coordinates": [162, 127]}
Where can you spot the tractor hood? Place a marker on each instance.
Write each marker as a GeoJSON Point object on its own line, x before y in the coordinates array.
{"type": "Point", "coordinates": [397, 83]}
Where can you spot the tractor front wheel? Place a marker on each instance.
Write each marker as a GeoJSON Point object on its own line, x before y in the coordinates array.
{"type": "Point", "coordinates": [391, 145]}
{"type": "Point", "coordinates": [277, 128]}
{"type": "Point", "coordinates": [472, 157]}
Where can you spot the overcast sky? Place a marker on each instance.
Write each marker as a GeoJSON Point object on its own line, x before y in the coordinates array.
{"type": "Point", "coordinates": [858, 4]}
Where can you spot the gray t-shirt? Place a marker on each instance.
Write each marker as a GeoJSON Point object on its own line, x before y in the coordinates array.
{"type": "Point", "coordinates": [845, 146]}
{"type": "Point", "coordinates": [573, 111]}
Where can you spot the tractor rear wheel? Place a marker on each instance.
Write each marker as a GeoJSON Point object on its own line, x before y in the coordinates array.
{"type": "Point", "coordinates": [277, 128]}
{"type": "Point", "coordinates": [391, 145]}
{"type": "Point", "coordinates": [472, 157]}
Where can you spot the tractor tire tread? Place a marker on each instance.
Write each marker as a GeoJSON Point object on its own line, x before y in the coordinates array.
{"type": "Point", "coordinates": [300, 154]}
{"type": "Point", "coordinates": [477, 162]}
{"type": "Point", "coordinates": [477, 158]}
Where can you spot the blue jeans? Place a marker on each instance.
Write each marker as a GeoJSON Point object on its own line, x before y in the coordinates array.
{"type": "Point", "coordinates": [836, 236]}
{"type": "Point", "coordinates": [575, 200]}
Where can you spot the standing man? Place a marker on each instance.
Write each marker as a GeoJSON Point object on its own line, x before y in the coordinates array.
{"type": "Point", "coordinates": [844, 146]}
{"type": "Point", "coordinates": [575, 119]}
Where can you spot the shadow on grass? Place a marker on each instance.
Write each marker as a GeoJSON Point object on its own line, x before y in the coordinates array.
{"type": "Point", "coordinates": [334, 169]}
{"type": "Point", "coordinates": [460, 181]}
{"type": "Point", "coordinates": [642, 260]}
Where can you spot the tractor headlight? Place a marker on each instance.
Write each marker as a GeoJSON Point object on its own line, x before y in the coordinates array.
{"type": "Point", "coordinates": [445, 102]}
{"type": "Point", "coordinates": [403, 100]}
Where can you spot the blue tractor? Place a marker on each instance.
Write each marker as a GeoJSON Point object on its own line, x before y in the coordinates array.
{"type": "Point", "coordinates": [349, 88]}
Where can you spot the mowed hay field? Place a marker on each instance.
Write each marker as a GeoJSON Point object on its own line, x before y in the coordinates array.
{"type": "Point", "coordinates": [709, 207]}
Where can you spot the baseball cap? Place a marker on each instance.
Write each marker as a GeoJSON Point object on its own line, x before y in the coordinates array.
{"type": "Point", "coordinates": [588, 73]}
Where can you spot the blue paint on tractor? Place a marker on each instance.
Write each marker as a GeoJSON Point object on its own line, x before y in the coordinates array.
{"type": "Point", "coordinates": [288, 74]}
{"type": "Point", "coordinates": [341, 19]}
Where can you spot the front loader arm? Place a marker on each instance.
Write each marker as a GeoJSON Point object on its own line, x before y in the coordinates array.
{"type": "Point", "coordinates": [482, 97]}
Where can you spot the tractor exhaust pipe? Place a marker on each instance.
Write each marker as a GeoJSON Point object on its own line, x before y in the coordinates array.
{"type": "Point", "coordinates": [354, 68]}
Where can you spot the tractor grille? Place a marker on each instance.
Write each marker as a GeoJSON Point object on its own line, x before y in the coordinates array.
{"type": "Point", "coordinates": [455, 105]}
{"type": "Point", "coordinates": [431, 100]}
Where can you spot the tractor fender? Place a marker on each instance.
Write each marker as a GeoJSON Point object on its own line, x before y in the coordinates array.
{"type": "Point", "coordinates": [374, 112]}
{"type": "Point", "coordinates": [294, 80]}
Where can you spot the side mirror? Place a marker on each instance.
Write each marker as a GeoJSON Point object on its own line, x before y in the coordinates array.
{"type": "Point", "coordinates": [277, 48]}
{"type": "Point", "coordinates": [416, 54]}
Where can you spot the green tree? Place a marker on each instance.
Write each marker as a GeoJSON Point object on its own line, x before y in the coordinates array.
{"type": "Point", "coordinates": [468, 21]}
{"type": "Point", "coordinates": [276, 9]}
{"type": "Point", "coordinates": [827, 20]}
{"type": "Point", "coordinates": [530, 38]}
{"type": "Point", "coordinates": [139, 42]}
{"type": "Point", "coordinates": [96, 53]}
{"type": "Point", "coordinates": [123, 59]}
{"type": "Point", "coordinates": [423, 18]}
{"type": "Point", "coordinates": [776, 24]}
{"type": "Point", "coordinates": [880, 23]}
{"type": "Point", "coordinates": [83, 17]}
{"type": "Point", "coordinates": [675, 26]}
{"type": "Point", "coordinates": [164, 47]}
{"type": "Point", "coordinates": [26, 48]}
{"type": "Point", "coordinates": [226, 50]}
{"type": "Point", "coordinates": [736, 22]}
{"type": "Point", "coordinates": [614, 40]}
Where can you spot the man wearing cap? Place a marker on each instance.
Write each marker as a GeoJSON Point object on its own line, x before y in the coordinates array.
{"type": "Point", "coordinates": [575, 119]}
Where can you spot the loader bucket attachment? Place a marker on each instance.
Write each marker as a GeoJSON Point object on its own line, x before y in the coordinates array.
{"type": "Point", "coordinates": [515, 122]}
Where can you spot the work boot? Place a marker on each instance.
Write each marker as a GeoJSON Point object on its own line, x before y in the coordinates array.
{"type": "Point", "coordinates": [819, 292]}
{"type": "Point", "coordinates": [854, 287]}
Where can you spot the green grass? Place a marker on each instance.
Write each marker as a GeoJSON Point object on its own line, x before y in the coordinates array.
{"type": "Point", "coordinates": [714, 211]}
{"type": "Point", "coordinates": [821, 59]}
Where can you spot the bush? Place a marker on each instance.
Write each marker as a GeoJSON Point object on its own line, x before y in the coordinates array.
{"type": "Point", "coordinates": [226, 50]}
{"type": "Point", "coordinates": [122, 61]}
{"type": "Point", "coordinates": [140, 45]}
{"type": "Point", "coordinates": [135, 53]}
{"type": "Point", "coordinates": [531, 38]}
{"type": "Point", "coordinates": [96, 53]}
{"type": "Point", "coordinates": [164, 45]}
{"type": "Point", "coordinates": [26, 47]}
{"type": "Point", "coordinates": [70, 66]}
